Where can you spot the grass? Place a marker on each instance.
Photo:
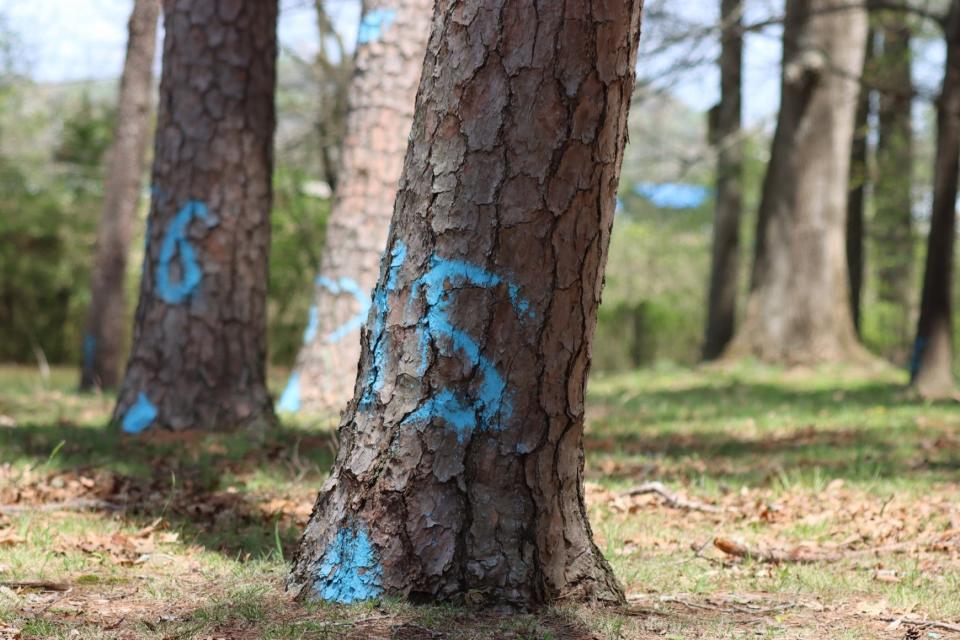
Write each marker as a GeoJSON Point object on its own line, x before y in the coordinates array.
{"type": "Point", "coordinates": [829, 459]}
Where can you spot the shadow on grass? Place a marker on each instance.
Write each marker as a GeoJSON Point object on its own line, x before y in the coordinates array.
{"type": "Point", "coordinates": [230, 493]}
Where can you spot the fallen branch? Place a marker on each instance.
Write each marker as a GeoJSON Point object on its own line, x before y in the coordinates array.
{"type": "Point", "coordinates": [919, 622]}
{"type": "Point", "coordinates": [80, 504]}
{"type": "Point", "coordinates": [36, 585]}
{"type": "Point", "coordinates": [801, 554]}
{"type": "Point", "coordinates": [671, 499]}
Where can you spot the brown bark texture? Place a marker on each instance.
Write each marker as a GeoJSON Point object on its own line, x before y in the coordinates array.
{"type": "Point", "coordinates": [798, 311]}
{"type": "Point", "coordinates": [931, 369]}
{"type": "Point", "coordinates": [459, 475]}
{"type": "Point", "coordinates": [859, 179]}
{"type": "Point", "coordinates": [199, 345]}
{"type": "Point", "coordinates": [103, 338]}
{"type": "Point", "coordinates": [389, 58]}
{"type": "Point", "coordinates": [892, 224]}
{"type": "Point", "coordinates": [725, 261]}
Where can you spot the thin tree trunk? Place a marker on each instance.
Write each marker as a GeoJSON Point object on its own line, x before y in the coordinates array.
{"type": "Point", "coordinates": [392, 41]}
{"type": "Point", "coordinates": [799, 309]}
{"type": "Point", "coordinates": [892, 230]}
{"type": "Point", "coordinates": [724, 270]}
{"type": "Point", "coordinates": [199, 351]}
{"type": "Point", "coordinates": [859, 179]}
{"type": "Point", "coordinates": [931, 368]}
{"type": "Point", "coordinates": [459, 475]}
{"type": "Point", "coordinates": [106, 319]}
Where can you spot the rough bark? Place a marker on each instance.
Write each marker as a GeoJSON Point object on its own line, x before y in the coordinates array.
{"type": "Point", "coordinates": [799, 311]}
{"type": "Point", "coordinates": [460, 469]}
{"type": "Point", "coordinates": [106, 319]}
{"type": "Point", "coordinates": [725, 261]}
{"type": "Point", "coordinates": [392, 41]}
{"type": "Point", "coordinates": [931, 368]}
{"type": "Point", "coordinates": [199, 351]}
{"type": "Point", "coordinates": [859, 179]}
{"type": "Point", "coordinates": [892, 225]}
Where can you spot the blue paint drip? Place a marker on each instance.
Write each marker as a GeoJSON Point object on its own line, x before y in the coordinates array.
{"type": "Point", "coordinates": [349, 571]}
{"type": "Point", "coordinates": [174, 243]}
{"type": "Point", "coordinates": [672, 195]}
{"type": "Point", "coordinates": [378, 343]}
{"type": "Point", "coordinates": [140, 416]}
{"type": "Point", "coordinates": [374, 24]}
{"type": "Point", "coordinates": [493, 397]}
{"type": "Point", "coordinates": [313, 325]}
{"type": "Point", "coordinates": [349, 286]}
{"type": "Point", "coordinates": [89, 351]}
{"type": "Point", "coordinates": [290, 398]}
{"type": "Point", "coordinates": [919, 347]}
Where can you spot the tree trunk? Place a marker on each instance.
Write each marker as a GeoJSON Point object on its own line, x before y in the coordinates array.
{"type": "Point", "coordinates": [931, 368]}
{"type": "Point", "coordinates": [199, 351]}
{"type": "Point", "coordinates": [392, 41]}
{"type": "Point", "coordinates": [799, 311]}
{"type": "Point", "coordinates": [459, 475]}
{"type": "Point", "coordinates": [107, 316]}
{"type": "Point", "coordinates": [893, 192]}
{"type": "Point", "coordinates": [724, 270]}
{"type": "Point", "coordinates": [859, 178]}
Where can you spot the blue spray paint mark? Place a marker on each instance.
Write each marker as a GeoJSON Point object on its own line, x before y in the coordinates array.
{"type": "Point", "coordinates": [374, 24]}
{"type": "Point", "coordinates": [349, 286]}
{"type": "Point", "coordinates": [89, 351]}
{"type": "Point", "coordinates": [349, 571]}
{"type": "Point", "coordinates": [140, 416]}
{"type": "Point", "coordinates": [919, 347]}
{"type": "Point", "coordinates": [492, 397]}
{"type": "Point", "coordinates": [175, 243]}
{"type": "Point", "coordinates": [290, 398]}
{"type": "Point", "coordinates": [378, 343]}
{"type": "Point", "coordinates": [672, 195]}
{"type": "Point", "coordinates": [313, 325]}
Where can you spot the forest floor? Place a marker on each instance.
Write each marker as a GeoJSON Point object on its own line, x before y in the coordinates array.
{"type": "Point", "coordinates": [840, 490]}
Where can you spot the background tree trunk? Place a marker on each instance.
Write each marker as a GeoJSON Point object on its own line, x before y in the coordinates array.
{"type": "Point", "coordinates": [932, 366]}
{"type": "Point", "coordinates": [198, 358]}
{"type": "Point", "coordinates": [859, 179]}
{"type": "Point", "coordinates": [724, 270]}
{"type": "Point", "coordinates": [892, 229]}
{"type": "Point", "coordinates": [392, 41]}
{"type": "Point", "coordinates": [107, 317]}
{"type": "Point", "coordinates": [799, 309]}
{"type": "Point", "coordinates": [460, 468]}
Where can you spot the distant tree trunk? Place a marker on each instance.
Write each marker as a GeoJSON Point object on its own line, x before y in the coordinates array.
{"type": "Point", "coordinates": [859, 179]}
{"type": "Point", "coordinates": [931, 368]}
{"type": "Point", "coordinates": [724, 270]}
{"type": "Point", "coordinates": [459, 474]}
{"type": "Point", "coordinates": [199, 350]}
{"type": "Point", "coordinates": [392, 41]}
{"type": "Point", "coordinates": [107, 316]}
{"type": "Point", "coordinates": [892, 229]}
{"type": "Point", "coordinates": [799, 311]}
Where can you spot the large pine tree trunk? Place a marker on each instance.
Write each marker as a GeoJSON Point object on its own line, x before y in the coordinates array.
{"type": "Point", "coordinates": [460, 468]}
{"type": "Point", "coordinates": [892, 229]}
{"type": "Point", "coordinates": [199, 351]}
{"type": "Point", "coordinates": [799, 311]}
{"type": "Point", "coordinates": [724, 270]}
{"type": "Point", "coordinates": [392, 40]}
{"type": "Point", "coordinates": [107, 316]}
{"type": "Point", "coordinates": [859, 179]}
{"type": "Point", "coordinates": [931, 368]}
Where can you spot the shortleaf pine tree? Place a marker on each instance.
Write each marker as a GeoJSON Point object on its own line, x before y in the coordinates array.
{"type": "Point", "coordinates": [199, 346]}
{"type": "Point", "coordinates": [459, 474]}
{"type": "Point", "coordinates": [798, 311]}
{"type": "Point", "coordinates": [931, 370]}
{"type": "Point", "coordinates": [390, 48]}
{"type": "Point", "coordinates": [103, 338]}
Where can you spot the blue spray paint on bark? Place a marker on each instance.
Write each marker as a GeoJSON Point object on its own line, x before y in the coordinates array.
{"type": "Point", "coordinates": [290, 398]}
{"type": "Point", "coordinates": [140, 416]}
{"type": "Point", "coordinates": [347, 286]}
{"type": "Point", "coordinates": [89, 351]}
{"type": "Point", "coordinates": [378, 342]}
{"type": "Point", "coordinates": [349, 570]}
{"type": "Point", "coordinates": [374, 24]}
{"type": "Point", "coordinates": [176, 245]}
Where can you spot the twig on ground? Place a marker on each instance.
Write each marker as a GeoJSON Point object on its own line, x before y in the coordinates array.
{"type": "Point", "coordinates": [671, 499]}
{"type": "Point", "coordinates": [36, 585]}
{"type": "Point", "coordinates": [919, 622]}
{"type": "Point", "coordinates": [80, 504]}
{"type": "Point", "coordinates": [801, 554]}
